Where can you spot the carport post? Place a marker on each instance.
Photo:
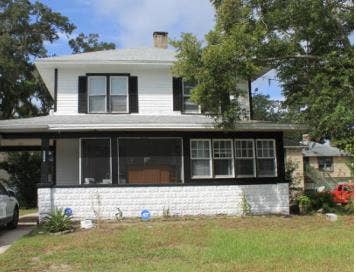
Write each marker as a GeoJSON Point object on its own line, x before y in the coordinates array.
{"type": "Point", "coordinates": [44, 160]}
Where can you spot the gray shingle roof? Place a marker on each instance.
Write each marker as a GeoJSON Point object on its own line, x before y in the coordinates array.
{"type": "Point", "coordinates": [87, 122]}
{"type": "Point", "coordinates": [314, 149]}
{"type": "Point", "coordinates": [128, 55]}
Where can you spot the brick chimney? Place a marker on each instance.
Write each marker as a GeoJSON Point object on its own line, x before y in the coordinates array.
{"type": "Point", "coordinates": [160, 39]}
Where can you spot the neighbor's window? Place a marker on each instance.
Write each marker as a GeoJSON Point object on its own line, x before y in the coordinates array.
{"type": "Point", "coordinates": [325, 164]}
{"type": "Point", "coordinates": [188, 105]}
{"type": "Point", "coordinates": [119, 87]}
{"type": "Point", "coordinates": [95, 161]}
{"type": "Point", "coordinates": [97, 93]}
{"type": "Point", "coordinates": [223, 158]}
{"type": "Point", "coordinates": [245, 158]}
{"type": "Point", "coordinates": [266, 158]}
{"type": "Point", "coordinates": [200, 154]}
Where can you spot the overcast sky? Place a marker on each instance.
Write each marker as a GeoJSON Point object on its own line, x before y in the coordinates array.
{"type": "Point", "coordinates": [130, 23]}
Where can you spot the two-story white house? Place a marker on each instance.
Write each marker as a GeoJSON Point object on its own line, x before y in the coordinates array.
{"type": "Point", "coordinates": [124, 134]}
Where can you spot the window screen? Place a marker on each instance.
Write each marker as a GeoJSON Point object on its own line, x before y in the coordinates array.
{"type": "Point", "coordinates": [95, 160]}
{"type": "Point", "coordinates": [150, 160]}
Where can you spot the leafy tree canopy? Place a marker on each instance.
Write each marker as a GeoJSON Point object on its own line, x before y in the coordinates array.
{"type": "Point", "coordinates": [305, 41]}
{"type": "Point", "coordinates": [24, 171]}
{"type": "Point", "coordinates": [266, 109]}
{"type": "Point", "coordinates": [89, 43]}
{"type": "Point", "coordinates": [24, 28]}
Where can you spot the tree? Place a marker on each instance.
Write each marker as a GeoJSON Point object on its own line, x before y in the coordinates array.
{"type": "Point", "coordinates": [305, 41]}
{"type": "Point", "coordinates": [90, 43]}
{"type": "Point", "coordinates": [266, 109]}
{"type": "Point", "coordinates": [24, 171]}
{"type": "Point", "coordinates": [24, 28]}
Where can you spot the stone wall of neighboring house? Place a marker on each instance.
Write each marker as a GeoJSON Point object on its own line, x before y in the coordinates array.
{"type": "Point", "coordinates": [3, 174]}
{"type": "Point", "coordinates": [180, 200]}
{"type": "Point", "coordinates": [294, 156]}
{"type": "Point", "coordinates": [340, 168]}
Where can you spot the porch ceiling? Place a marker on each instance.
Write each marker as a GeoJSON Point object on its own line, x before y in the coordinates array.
{"type": "Point", "coordinates": [129, 122]}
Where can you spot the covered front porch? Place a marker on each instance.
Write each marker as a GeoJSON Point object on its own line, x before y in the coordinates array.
{"type": "Point", "coordinates": [154, 158]}
{"type": "Point", "coordinates": [188, 168]}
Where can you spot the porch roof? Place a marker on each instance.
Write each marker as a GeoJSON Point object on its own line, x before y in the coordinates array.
{"type": "Point", "coordinates": [129, 122]}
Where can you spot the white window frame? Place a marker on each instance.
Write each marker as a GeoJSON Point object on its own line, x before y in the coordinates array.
{"type": "Point", "coordinates": [231, 158]}
{"type": "Point", "coordinates": [127, 94]}
{"type": "Point", "coordinates": [106, 95]}
{"type": "Point", "coordinates": [210, 159]}
{"type": "Point", "coordinates": [246, 158]}
{"type": "Point", "coordinates": [183, 105]}
{"type": "Point", "coordinates": [80, 157]}
{"type": "Point", "coordinates": [331, 169]}
{"type": "Point", "coordinates": [274, 158]}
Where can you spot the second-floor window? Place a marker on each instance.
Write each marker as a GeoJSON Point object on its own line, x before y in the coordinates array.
{"type": "Point", "coordinates": [97, 94]}
{"type": "Point", "coordinates": [119, 87]}
{"type": "Point", "coordinates": [188, 105]}
{"type": "Point", "coordinates": [101, 101]}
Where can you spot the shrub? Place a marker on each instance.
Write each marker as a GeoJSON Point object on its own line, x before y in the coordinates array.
{"type": "Point", "coordinates": [322, 200]}
{"type": "Point", "coordinates": [349, 207]}
{"type": "Point", "coordinates": [58, 221]}
{"type": "Point", "coordinates": [304, 203]}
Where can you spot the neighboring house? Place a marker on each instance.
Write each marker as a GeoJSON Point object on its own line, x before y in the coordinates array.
{"type": "Point", "coordinates": [318, 164]}
{"type": "Point", "coordinates": [328, 162]}
{"type": "Point", "coordinates": [125, 134]}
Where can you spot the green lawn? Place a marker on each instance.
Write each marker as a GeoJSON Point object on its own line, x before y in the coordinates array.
{"type": "Point", "coordinates": [299, 243]}
{"type": "Point", "coordinates": [24, 211]}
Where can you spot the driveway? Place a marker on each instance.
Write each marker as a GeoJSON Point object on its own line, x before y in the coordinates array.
{"type": "Point", "coordinates": [26, 224]}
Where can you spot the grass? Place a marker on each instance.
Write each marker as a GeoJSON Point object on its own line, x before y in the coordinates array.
{"type": "Point", "coordinates": [300, 243]}
{"type": "Point", "coordinates": [24, 211]}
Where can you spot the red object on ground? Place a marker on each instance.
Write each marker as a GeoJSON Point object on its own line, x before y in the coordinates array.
{"type": "Point", "coordinates": [342, 193]}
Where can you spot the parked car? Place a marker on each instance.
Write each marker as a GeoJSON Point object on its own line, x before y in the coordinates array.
{"type": "Point", "coordinates": [343, 192]}
{"type": "Point", "coordinates": [9, 208]}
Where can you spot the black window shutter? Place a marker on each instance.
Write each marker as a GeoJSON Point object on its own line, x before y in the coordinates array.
{"type": "Point", "coordinates": [133, 94]}
{"type": "Point", "coordinates": [82, 94]}
{"type": "Point", "coordinates": [177, 94]}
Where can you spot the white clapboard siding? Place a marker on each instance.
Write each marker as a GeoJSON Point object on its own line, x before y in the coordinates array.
{"type": "Point", "coordinates": [155, 89]}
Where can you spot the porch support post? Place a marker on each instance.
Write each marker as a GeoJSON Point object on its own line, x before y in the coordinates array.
{"type": "Point", "coordinates": [44, 160]}
{"type": "Point", "coordinates": [115, 161]}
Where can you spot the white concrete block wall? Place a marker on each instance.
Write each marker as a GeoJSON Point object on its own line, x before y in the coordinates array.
{"type": "Point", "coordinates": [180, 200]}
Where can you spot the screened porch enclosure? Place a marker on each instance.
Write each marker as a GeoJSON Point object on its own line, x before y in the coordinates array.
{"type": "Point", "coordinates": [139, 160]}
{"type": "Point", "coordinates": [150, 160]}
